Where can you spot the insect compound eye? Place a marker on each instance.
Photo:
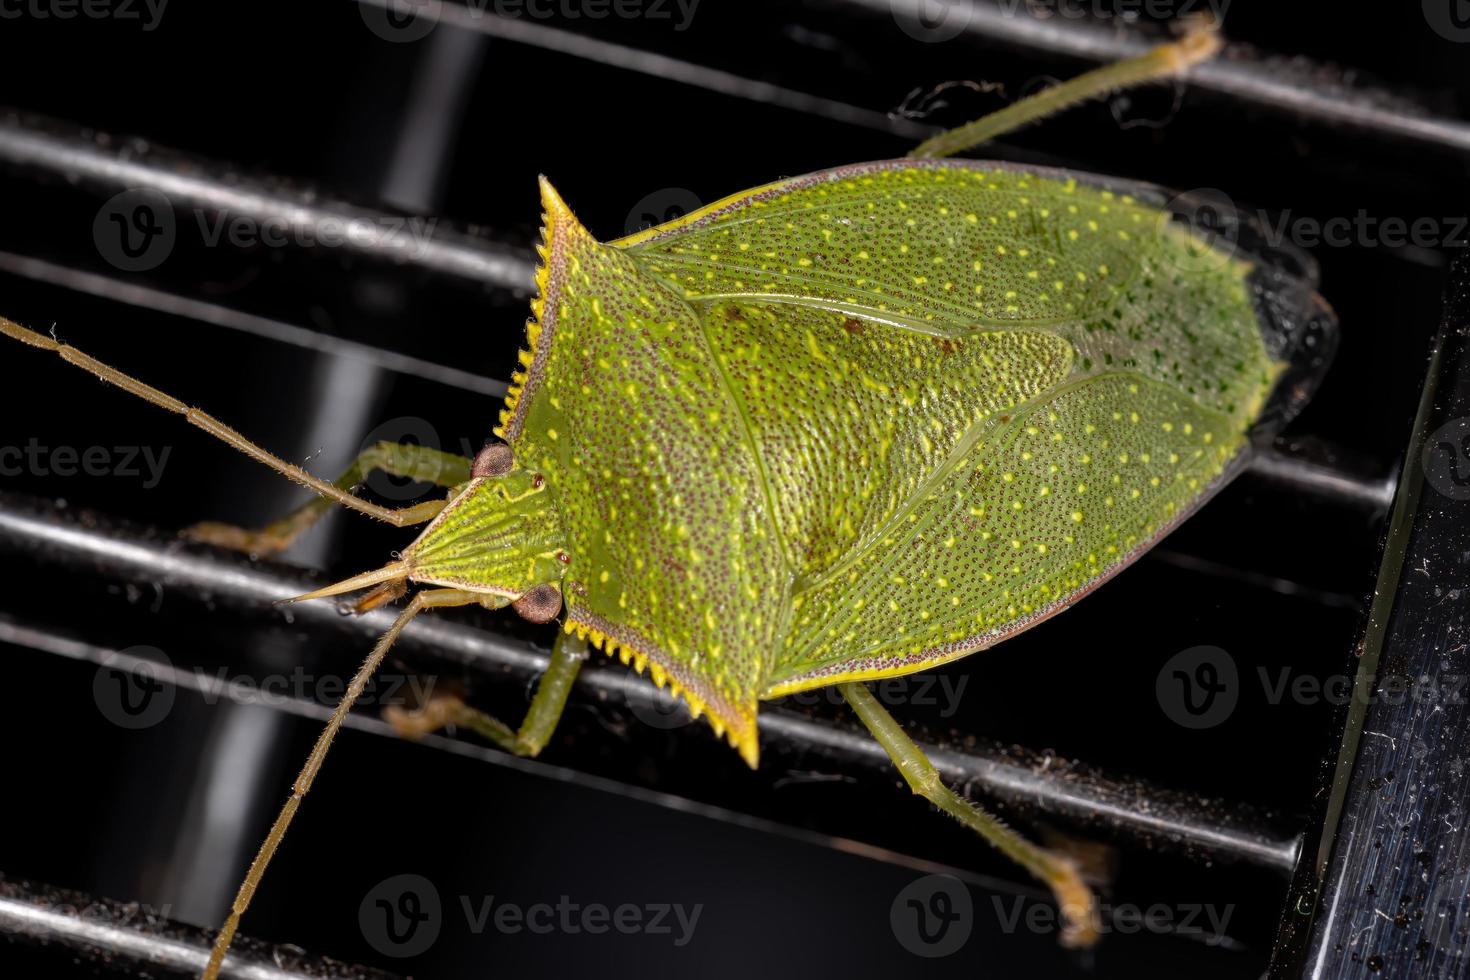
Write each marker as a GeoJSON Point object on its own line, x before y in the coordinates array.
{"type": "Point", "coordinates": [540, 605]}
{"type": "Point", "coordinates": [494, 460]}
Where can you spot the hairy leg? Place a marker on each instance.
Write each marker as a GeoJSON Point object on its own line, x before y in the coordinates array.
{"type": "Point", "coordinates": [1161, 62]}
{"type": "Point", "coordinates": [547, 705]}
{"type": "Point", "coordinates": [1073, 896]}
{"type": "Point", "coordinates": [396, 459]}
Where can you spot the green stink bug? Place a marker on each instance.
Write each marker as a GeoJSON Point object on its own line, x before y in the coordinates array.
{"type": "Point", "coordinates": [837, 428]}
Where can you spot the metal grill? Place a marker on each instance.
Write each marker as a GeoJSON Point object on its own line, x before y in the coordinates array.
{"type": "Point", "coordinates": [323, 310]}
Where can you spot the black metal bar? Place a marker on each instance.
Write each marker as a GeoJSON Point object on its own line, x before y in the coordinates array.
{"type": "Point", "coordinates": [45, 639]}
{"type": "Point", "coordinates": [1293, 87]}
{"type": "Point", "coordinates": [1393, 866]}
{"type": "Point", "coordinates": [480, 19]}
{"type": "Point", "coordinates": [1290, 87]}
{"type": "Point", "coordinates": [46, 154]}
{"type": "Point", "coordinates": [1054, 789]}
{"type": "Point", "coordinates": [146, 297]}
{"type": "Point", "coordinates": [1323, 479]}
{"type": "Point", "coordinates": [49, 149]}
{"type": "Point", "coordinates": [125, 939]}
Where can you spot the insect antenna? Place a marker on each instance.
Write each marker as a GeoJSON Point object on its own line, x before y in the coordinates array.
{"type": "Point", "coordinates": [423, 600]}
{"type": "Point", "coordinates": [404, 517]}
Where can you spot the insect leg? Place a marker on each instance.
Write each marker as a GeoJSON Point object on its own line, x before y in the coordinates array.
{"type": "Point", "coordinates": [1157, 63]}
{"type": "Point", "coordinates": [416, 514]}
{"type": "Point", "coordinates": [396, 459]}
{"type": "Point", "coordinates": [546, 707]}
{"type": "Point", "coordinates": [423, 600]}
{"type": "Point", "coordinates": [1073, 897]}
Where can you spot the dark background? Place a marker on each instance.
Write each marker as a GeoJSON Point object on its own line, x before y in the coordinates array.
{"type": "Point", "coordinates": [308, 96]}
